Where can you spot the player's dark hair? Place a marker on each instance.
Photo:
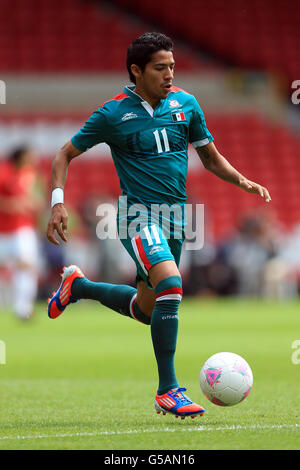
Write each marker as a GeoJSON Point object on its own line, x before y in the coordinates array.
{"type": "Point", "coordinates": [141, 49]}
{"type": "Point", "coordinates": [17, 154]}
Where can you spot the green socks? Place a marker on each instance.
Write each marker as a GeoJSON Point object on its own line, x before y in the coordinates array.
{"type": "Point", "coordinates": [120, 298]}
{"type": "Point", "coordinates": [164, 327]}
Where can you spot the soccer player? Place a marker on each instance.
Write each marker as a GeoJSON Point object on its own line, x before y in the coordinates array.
{"type": "Point", "coordinates": [148, 127]}
{"type": "Point", "coordinates": [21, 200]}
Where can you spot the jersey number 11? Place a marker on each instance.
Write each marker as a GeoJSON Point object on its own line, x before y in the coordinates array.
{"type": "Point", "coordinates": [159, 142]}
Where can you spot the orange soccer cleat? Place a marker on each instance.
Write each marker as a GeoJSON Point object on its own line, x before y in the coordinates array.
{"type": "Point", "coordinates": [60, 299]}
{"type": "Point", "coordinates": [177, 403]}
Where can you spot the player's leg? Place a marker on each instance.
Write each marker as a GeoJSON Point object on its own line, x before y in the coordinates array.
{"type": "Point", "coordinates": [145, 300]}
{"type": "Point", "coordinates": [122, 299]}
{"type": "Point", "coordinates": [156, 265]}
{"type": "Point", "coordinates": [166, 279]}
{"type": "Point", "coordinates": [25, 277]}
{"type": "Point", "coordinates": [158, 260]}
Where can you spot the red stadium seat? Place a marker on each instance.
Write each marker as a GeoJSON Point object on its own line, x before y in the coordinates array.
{"type": "Point", "coordinates": [249, 33]}
{"type": "Point", "coordinates": [38, 38]}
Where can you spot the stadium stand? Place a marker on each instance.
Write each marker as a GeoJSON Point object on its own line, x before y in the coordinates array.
{"type": "Point", "coordinates": [245, 33]}
{"type": "Point", "coordinates": [83, 36]}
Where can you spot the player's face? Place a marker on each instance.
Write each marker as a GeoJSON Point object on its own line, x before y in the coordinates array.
{"type": "Point", "coordinates": [156, 80]}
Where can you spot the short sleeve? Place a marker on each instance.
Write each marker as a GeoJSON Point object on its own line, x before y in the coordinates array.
{"type": "Point", "coordinates": [199, 135]}
{"type": "Point", "coordinates": [93, 132]}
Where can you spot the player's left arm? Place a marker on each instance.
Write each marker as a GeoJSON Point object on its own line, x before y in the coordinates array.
{"type": "Point", "coordinates": [217, 164]}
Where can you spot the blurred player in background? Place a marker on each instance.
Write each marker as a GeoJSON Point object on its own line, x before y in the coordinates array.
{"type": "Point", "coordinates": [20, 203]}
{"type": "Point", "coordinates": [148, 128]}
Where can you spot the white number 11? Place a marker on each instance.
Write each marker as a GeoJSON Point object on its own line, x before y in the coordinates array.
{"type": "Point", "coordinates": [158, 141]}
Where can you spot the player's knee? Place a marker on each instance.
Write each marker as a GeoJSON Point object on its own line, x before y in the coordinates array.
{"type": "Point", "coordinates": [145, 299]}
{"type": "Point", "coordinates": [162, 270]}
{"type": "Point", "coordinates": [169, 288]}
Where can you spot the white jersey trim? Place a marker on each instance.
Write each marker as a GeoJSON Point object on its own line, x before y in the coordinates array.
{"type": "Point", "coordinates": [200, 143]}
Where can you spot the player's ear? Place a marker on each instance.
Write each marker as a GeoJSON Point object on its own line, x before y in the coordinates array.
{"type": "Point", "coordinates": [136, 71]}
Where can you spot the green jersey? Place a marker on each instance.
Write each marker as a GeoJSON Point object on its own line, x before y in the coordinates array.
{"type": "Point", "coordinates": [149, 146]}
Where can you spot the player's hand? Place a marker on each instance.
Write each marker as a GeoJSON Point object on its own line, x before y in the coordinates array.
{"type": "Point", "coordinates": [59, 222]}
{"type": "Point", "coordinates": [252, 187]}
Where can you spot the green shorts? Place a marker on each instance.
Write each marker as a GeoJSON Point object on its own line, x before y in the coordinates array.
{"type": "Point", "coordinates": [150, 247]}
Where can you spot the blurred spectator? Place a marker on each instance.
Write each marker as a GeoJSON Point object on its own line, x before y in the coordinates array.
{"type": "Point", "coordinates": [288, 263]}
{"type": "Point", "coordinates": [208, 275]}
{"type": "Point", "coordinates": [21, 201]}
{"type": "Point", "coordinates": [201, 278]}
{"type": "Point", "coordinates": [251, 251]}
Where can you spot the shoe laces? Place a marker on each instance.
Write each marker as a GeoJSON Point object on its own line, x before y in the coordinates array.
{"type": "Point", "coordinates": [177, 393]}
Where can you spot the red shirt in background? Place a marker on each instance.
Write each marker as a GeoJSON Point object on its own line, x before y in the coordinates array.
{"type": "Point", "coordinates": [16, 183]}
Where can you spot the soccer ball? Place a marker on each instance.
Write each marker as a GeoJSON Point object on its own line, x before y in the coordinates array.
{"type": "Point", "coordinates": [226, 379]}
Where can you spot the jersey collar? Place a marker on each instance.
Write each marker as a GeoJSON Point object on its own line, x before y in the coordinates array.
{"type": "Point", "coordinates": [129, 90]}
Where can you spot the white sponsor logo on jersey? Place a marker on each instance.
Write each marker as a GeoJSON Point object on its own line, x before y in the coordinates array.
{"type": "Point", "coordinates": [174, 104]}
{"type": "Point", "coordinates": [156, 249]}
{"type": "Point", "coordinates": [127, 116]}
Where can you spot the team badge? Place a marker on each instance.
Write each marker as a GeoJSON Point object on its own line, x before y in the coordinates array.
{"type": "Point", "coordinates": [176, 117]}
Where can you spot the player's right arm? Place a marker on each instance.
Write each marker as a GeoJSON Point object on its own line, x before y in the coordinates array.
{"type": "Point", "coordinates": [59, 217]}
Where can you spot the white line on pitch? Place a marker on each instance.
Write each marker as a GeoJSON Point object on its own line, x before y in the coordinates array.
{"type": "Point", "coordinates": [157, 430]}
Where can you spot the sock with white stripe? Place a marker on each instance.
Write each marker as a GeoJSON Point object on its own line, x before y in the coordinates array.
{"type": "Point", "coordinates": [120, 298]}
{"type": "Point", "coordinates": [164, 327]}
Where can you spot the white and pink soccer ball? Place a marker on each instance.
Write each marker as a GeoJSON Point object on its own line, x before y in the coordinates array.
{"type": "Point", "coordinates": [226, 379]}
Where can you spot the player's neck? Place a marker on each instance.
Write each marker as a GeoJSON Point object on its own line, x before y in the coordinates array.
{"type": "Point", "coordinates": [153, 101]}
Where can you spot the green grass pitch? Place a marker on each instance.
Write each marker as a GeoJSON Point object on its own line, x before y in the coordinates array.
{"type": "Point", "coordinates": [87, 380]}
